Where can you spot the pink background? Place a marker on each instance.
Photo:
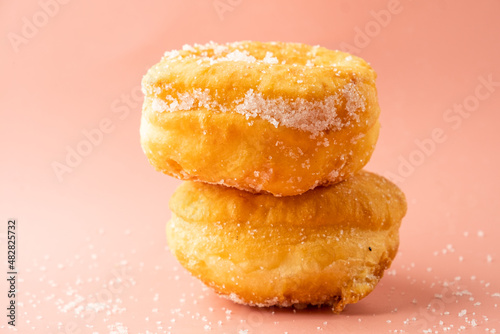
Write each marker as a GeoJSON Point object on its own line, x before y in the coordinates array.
{"type": "Point", "coordinates": [92, 256]}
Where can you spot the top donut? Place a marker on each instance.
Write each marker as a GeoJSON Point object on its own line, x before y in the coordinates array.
{"type": "Point", "coordinates": [274, 117]}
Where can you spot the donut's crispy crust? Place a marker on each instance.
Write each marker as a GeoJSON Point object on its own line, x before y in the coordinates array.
{"type": "Point", "coordinates": [329, 245]}
{"type": "Point", "coordinates": [281, 118]}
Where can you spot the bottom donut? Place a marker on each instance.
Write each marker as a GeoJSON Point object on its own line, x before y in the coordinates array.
{"type": "Point", "coordinates": [329, 245]}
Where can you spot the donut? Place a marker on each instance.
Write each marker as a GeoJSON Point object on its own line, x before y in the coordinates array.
{"type": "Point", "coordinates": [328, 246]}
{"type": "Point", "coordinates": [280, 118]}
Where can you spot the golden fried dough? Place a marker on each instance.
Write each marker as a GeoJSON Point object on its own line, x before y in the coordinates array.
{"type": "Point", "coordinates": [329, 245]}
{"type": "Point", "coordinates": [281, 118]}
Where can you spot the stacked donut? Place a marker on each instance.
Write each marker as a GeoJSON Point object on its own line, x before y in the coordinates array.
{"type": "Point", "coordinates": [277, 133]}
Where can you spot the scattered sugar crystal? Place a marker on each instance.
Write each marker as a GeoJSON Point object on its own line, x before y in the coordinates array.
{"type": "Point", "coordinates": [299, 114]}
{"type": "Point", "coordinates": [237, 55]}
{"type": "Point", "coordinates": [270, 59]}
{"type": "Point", "coordinates": [172, 54]}
{"type": "Point", "coordinates": [187, 47]}
{"type": "Point", "coordinates": [355, 101]}
{"type": "Point", "coordinates": [117, 328]}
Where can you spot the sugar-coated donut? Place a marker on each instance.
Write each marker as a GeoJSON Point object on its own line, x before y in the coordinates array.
{"type": "Point", "coordinates": [281, 118]}
{"type": "Point", "coordinates": [329, 245]}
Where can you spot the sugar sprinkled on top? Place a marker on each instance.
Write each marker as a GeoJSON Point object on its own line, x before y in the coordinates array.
{"type": "Point", "coordinates": [311, 116]}
{"type": "Point", "coordinates": [355, 101]}
{"type": "Point", "coordinates": [270, 59]}
{"type": "Point", "coordinates": [237, 55]}
{"type": "Point", "coordinates": [299, 113]}
{"type": "Point", "coordinates": [218, 51]}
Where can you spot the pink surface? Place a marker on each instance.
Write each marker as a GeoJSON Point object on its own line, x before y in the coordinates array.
{"type": "Point", "coordinates": [92, 256]}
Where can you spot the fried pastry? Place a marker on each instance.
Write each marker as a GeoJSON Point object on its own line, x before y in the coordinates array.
{"type": "Point", "coordinates": [280, 118]}
{"type": "Point", "coordinates": [329, 245]}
